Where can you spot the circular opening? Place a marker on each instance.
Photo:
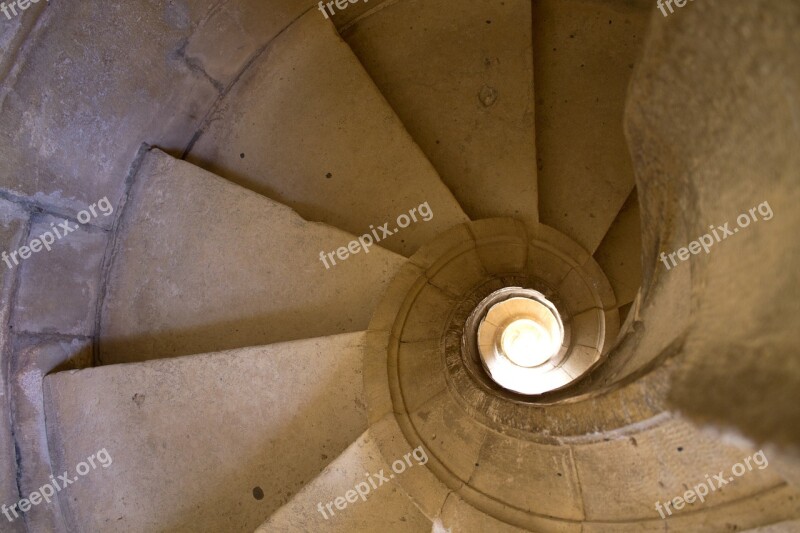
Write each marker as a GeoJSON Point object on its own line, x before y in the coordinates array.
{"type": "Point", "coordinates": [520, 341]}
{"type": "Point", "coordinates": [526, 342]}
{"type": "Point", "coordinates": [526, 332]}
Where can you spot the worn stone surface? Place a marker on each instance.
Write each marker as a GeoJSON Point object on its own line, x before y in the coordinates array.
{"type": "Point", "coordinates": [305, 126]}
{"type": "Point", "coordinates": [245, 429]}
{"type": "Point", "coordinates": [230, 36]}
{"type": "Point", "coordinates": [100, 80]}
{"type": "Point", "coordinates": [623, 478]}
{"type": "Point", "coordinates": [421, 485]}
{"type": "Point", "coordinates": [723, 80]}
{"type": "Point", "coordinates": [547, 472]}
{"type": "Point", "coordinates": [13, 33]}
{"type": "Point", "coordinates": [34, 358]}
{"type": "Point", "coordinates": [384, 508]}
{"type": "Point", "coordinates": [462, 82]}
{"type": "Point", "coordinates": [620, 253]}
{"type": "Point", "coordinates": [13, 228]}
{"type": "Point", "coordinates": [59, 289]}
{"type": "Point", "coordinates": [458, 515]}
{"type": "Point", "coordinates": [203, 264]}
{"type": "Point", "coordinates": [585, 52]}
{"type": "Point", "coordinates": [450, 434]}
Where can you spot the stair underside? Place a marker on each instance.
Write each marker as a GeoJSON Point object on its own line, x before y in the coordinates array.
{"type": "Point", "coordinates": [306, 126]}
{"type": "Point", "coordinates": [193, 437]}
{"type": "Point", "coordinates": [205, 265]}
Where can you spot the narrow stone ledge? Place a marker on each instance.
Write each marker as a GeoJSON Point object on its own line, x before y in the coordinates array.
{"type": "Point", "coordinates": [34, 357]}
{"type": "Point", "coordinates": [13, 227]}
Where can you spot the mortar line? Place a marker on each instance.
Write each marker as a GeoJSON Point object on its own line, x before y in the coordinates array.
{"type": "Point", "coordinates": [111, 250]}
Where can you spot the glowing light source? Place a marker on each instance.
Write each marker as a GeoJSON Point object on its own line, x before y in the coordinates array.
{"type": "Point", "coordinates": [527, 343]}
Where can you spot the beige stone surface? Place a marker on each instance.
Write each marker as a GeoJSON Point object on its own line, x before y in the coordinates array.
{"type": "Point", "coordinates": [203, 264]}
{"type": "Point", "coordinates": [584, 56]}
{"type": "Point", "coordinates": [620, 253]}
{"type": "Point", "coordinates": [462, 82]}
{"type": "Point", "coordinates": [196, 441]}
{"type": "Point", "coordinates": [710, 89]}
{"type": "Point", "coordinates": [421, 485]}
{"type": "Point", "coordinates": [659, 327]}
{"type": "Point", "coordinates": [546, 474]}
{"type": "Point", "coordinates": [788, 526]}
{"type": "Point", "coordinates": [623, 478]}
{"type": "Point", "coordinates": [450, 434]}
{"type": "Point", "coordinates": [502, 244]}
{"type": "Point", "coordinates": [306, 126]}
{"type": "Point", "coordinates": [13, 228]}
{"type": "Point", "coordinates": [458, 515]}
{"type": "Point", "coordinates": [427, 315]}
{"type": "Point", "coordinates": [59, 289]}
{"type": "Point", "coordinates": [383, 508]}
{"type": "Point", "coordinates": [100, 80]}
{"type": "Point", "coordinates": [420, 372]}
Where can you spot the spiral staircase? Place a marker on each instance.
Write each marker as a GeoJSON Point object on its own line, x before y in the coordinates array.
{"type": "Point", "coordinates": [238, 381]}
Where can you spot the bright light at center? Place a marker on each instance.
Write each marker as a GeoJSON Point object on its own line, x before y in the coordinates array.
{"type": "Point", "coordinates": [526, 343]}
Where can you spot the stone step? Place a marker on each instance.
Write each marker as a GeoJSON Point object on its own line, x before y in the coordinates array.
{"type": "Point", "coordinates": [306, 126]}
{"type": "Point", "coordinates": [620, 252]}
{"type": "Point", "coordinates": [584, 57]}
{"type": "Point", "coordinates": [356, 492]}
{"type": "Point", "coordinates": [213, 442]}
{"type": "Point", "coordinates": [459, 73]}
{"type": "Point", "coordinates": [204, 265]}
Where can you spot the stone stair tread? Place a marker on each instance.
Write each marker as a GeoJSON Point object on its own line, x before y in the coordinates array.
{"type": "Point", "coordinates": [219, 440]}
{"type": "Point", "coordinates": [306, 126]}
{"type": "Point", "coordinates": [202, 265]}
{"type": "Point", "coordinates": [620, 252]}
{"type": "Point", "coordinates": [584, 57]}
{"type": "Point", "coordinates": [462, 82]}
{"type": "Point", "coordinates": [383, 508]}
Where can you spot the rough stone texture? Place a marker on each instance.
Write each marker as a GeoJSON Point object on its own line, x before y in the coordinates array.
{"type": "Point", "coordinates": [13, 34]}
{"type": "Point", "coordinates": [99, 79]}
{"type": "Point", "coordinates": [585, 51]}
{"type": "Point", "coordinates": [305, 126]}
{"type": "Point", "coordinates": [13, 228]}
{"type": "Point", "coordinates": [457, 515]}
{"type": "Point", "coordinates": [783, 527]}
{"type": "Point", "coordinates": [623, 478]}
{"type": "Point", "coordinates": [59, 288]}
{"type": "Point", "coordinates": [450, 434]}
{"type": "Point", "coordinates": [361, 9]}
{"type": "Point", "coordinates": [717, 80]}
{"type": "Point", "coordinates": [385, 508]}
{"type": "Point", "coordinates": [547, 473]}
{"type": "Point", "coordinates": [620, 253]}
{"type": "Point", "coordinates": [203, 264]}
{"type": "Point", "coordinates": [462, 82]}
{"type": "Point", "coordinates": [193, 438]}
{"type": "Point", "coordinates": [233, 33]}
{"type": "Point", "coordinates": [420, 484]}
{"type": "Point", "coordinates": [35, 358]}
